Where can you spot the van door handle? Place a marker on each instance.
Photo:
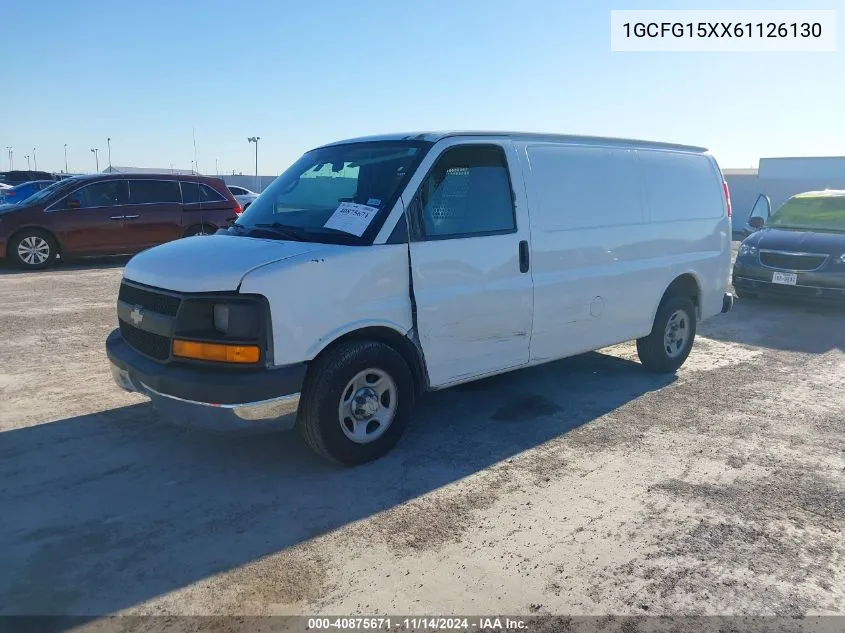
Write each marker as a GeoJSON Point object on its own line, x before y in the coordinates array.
{"type": "Point", "coordinates": [117, 217]}
{"type": "Point", "coordinates": [131, 217]}
{"type": "Point", "coordinates": [523, 257]}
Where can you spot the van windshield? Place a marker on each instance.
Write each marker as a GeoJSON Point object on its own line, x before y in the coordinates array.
{"type": "Point", "coordinates": [811, 213]}
{"type": "Point", "coordinates": [335, 194]}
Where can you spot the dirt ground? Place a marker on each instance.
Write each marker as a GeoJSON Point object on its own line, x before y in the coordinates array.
{"type": "Point", "coordinates": [586, 486]}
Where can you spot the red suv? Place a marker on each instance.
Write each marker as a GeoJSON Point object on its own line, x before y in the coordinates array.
{"type": "Point", "coordinates": [112, 214]}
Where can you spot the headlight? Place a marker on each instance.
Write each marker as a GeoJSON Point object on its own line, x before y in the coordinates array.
{"type": "Point", "coordinates": [842, 258]}
{"type": "Point", "coordinates": [221, 317]}
{"type": "Point", "coordinates": [747, 251]}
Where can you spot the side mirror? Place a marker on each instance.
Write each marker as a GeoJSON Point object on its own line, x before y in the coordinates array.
{"type": "Point", "coordinates": [756, 222]}
{"type": "Point", "coordinates": [72, 203]}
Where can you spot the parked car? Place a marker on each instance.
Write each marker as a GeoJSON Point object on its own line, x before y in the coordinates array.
{"type": "Point", "coordinates": [377, 268]}
{"type": "Point", "coordinates": [243, 195]}
{"type": "Point", "coordinates": [112, 214]}
{"type": "Point", "coordinates": [20, 176]}
{"type": "Point", "coordinates": [797, 252]}
{"type": "Point", "coordinates": [19, 193]}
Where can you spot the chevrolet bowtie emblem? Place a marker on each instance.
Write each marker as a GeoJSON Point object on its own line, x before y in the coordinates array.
{"type": "Point", "coordinates": [136, 316]}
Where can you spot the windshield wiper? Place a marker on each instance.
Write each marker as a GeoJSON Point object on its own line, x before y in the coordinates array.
{"type": "Point", "coordinates": [283, 230]}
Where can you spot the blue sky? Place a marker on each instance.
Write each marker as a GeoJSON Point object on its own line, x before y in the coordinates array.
{"type": "Point", "coordinates": [302, 73]}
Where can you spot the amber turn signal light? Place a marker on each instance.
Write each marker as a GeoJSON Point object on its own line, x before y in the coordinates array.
{"type": "Point", "coordinates": [216, 352]}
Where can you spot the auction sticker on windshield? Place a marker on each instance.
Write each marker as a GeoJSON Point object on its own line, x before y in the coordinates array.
{"type": "Point", "coordinates": [351, 217]}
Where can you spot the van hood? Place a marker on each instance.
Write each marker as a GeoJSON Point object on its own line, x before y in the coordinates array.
{"type": "Point", "coordinates": [209, 263]}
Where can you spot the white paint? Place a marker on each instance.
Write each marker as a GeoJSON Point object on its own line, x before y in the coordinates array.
{"type": "Point", "coordinates": [474, 306]}
{"type": "Point", "coordinates": [208, 263]}
{"type": "Point", "coordinates": [319, 296]}
{"type": "Point", "coordinates": [609, 223]}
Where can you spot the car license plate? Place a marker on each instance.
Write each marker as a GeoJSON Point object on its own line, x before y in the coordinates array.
{"type": "Point", "coordinates": [785, 278]}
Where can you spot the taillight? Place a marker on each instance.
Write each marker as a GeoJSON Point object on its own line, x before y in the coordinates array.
{"type": "Point", "coordinates": [727, 196]}
{"type": "Point", "coordinates": [238, 209]}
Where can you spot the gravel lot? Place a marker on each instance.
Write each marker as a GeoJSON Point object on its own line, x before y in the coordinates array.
{"type": "Point", "coordinates": [583, 487]}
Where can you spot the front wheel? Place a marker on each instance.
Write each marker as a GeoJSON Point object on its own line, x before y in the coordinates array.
{"type": "Point", "coordinates": [670, 342]}
{"type": "Point", "coordinates": [356, 402]}
{"type": "Point", "coordinates": [33, 249]}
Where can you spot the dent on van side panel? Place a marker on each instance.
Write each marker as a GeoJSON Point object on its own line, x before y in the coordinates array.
{"type": "Point", "coordinates": [318, 297]}
{"type": "Point", "coordinates": [691, 231]}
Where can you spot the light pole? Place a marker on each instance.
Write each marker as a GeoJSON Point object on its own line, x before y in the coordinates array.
{"type": "Point", "coordinates": [28, 166]}
{"type": "Point", "coordinates": [34, 160]}
{"type": "Point", "coordinates": [9, 149]}
{"type": "Point", "coordinates": [95, 151]}
{"type": "Point", "coordinates": [66, 158]}
{"type": "Point", "coordinates": [216, 168]}
{"type": "Point", "coordinates": [108, 142]}
{"type": "Point", "coordinates": [255, 139]}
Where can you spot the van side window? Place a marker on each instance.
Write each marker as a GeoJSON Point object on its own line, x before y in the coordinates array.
{"type": "Point", "coordinates": [467, 193]}
{"type": "Point", "coordinates": [153, 191]}
{"type": "Point", "coordinates": [193, 192]}
{"type": "Point", "coordinates": [108, 193]}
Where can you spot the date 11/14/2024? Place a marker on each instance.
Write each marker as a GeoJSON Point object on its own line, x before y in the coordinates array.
{"type": "Point", "coordinates": [417, 623]}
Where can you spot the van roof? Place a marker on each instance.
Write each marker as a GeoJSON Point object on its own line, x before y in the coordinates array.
{"type": "Point", "coordinates": [433, 137]}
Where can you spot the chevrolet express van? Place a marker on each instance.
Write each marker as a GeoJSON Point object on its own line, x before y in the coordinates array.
{"type": "Point", "coordinates": [378, 268]}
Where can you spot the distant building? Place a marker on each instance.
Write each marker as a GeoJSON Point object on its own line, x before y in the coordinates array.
{"type": "Point", "coordinates": [117, 169]}
{"type": "Point", "coordinates": [238, 180]}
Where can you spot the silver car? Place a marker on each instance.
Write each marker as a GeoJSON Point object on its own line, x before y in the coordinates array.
{"type": "Point", "coordinates": [242, 195]}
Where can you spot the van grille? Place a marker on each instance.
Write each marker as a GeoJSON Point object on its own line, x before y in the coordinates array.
{"type": "Point", "coordinates": [153, 345]}
{"type": "Point", "coordinates": [149, 299]}
{"type": "Point", "coordinates": [792, 261]}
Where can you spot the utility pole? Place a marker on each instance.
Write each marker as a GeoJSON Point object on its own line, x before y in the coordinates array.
{"type": "Point", "coordinates": [108, 142]}
{"type": "Point", "coordinates": [95, 151]}
{"type": "Point", "coordinates": [66, 171]}
{"type": "Point", "coordinates": [255, 139]}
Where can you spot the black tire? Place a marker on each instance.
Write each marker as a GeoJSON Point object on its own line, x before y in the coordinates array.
{"type": "Point", "coordinates": [203, 229]}
{"type": "Point", "coordinates": [653, 352]}
{"type": "Point", "coordinates": [37, 257]}
{"type": "Point", "coordinates": [319, 420]}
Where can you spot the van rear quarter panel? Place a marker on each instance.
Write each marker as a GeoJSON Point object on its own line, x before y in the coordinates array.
{"type": "Point", "coordinates": [609, 234]}
{"type": "Point", "coordinates": [318, 297]}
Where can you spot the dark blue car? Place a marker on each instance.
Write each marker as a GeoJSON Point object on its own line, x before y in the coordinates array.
{"type": "Point", "coordinates": [796, 252]}
{"type": "Point", "coordinates": [19, 193]}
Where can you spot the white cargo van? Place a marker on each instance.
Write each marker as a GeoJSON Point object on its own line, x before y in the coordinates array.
{"type": "Point", "coordinates": [377, 268]}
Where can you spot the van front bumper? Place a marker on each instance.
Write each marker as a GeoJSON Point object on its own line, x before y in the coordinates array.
{"type": "Point", "coordinates": [210, 399]}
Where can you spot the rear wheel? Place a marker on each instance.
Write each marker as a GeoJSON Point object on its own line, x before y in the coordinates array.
{"type": "Point", "coordinates": [33, 249]}
{"type": "Point", "coordinates": [356, 402]}
{"type": "Point", "coordinates": [672, 335]}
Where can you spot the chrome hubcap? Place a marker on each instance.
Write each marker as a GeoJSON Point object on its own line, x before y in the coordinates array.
{"type": "Point", "coordinates": [677, 333]}
{"type": "Point", "coordinates": [33, 250]}
{"type": "Point", "coordinates": [367, 406]}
